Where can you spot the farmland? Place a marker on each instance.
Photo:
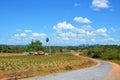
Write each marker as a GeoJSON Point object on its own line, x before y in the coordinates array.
{"type": "Point", "coordinates": [23, 66]}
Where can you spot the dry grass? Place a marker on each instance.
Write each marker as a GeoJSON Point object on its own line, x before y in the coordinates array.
{"type": "Point", "coordinates": [22, 66]}
{"type": "Point", "coordinates": [10, 54]}
{"type": "Point", "coordinates": [115, 61]}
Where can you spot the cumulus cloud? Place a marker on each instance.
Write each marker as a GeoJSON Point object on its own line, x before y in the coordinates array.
{"type": "Point", "coordinates": [35, 34]}
{"type": "Point", "coordinates": [16, 35]}
{"type": "Point", "coordinates": [23, 34]}
{"type": "Point", "coordinates": [87, 27]}
{"type": "Point", "coordinates": [100, 4]}
{"type": "Point", "coordinates": [38, 34]}
{"type": "Point", "coordinates": [27, 36]}
{"type": "Point", "coordinates": [93, 40]}
{"type": "Point", "coordinates": [63, 25]}
{"type": "Point", "coordinates": [20, 35]}
{"type": "Point", "coordinates": [67, 34]}
{"type": "Point", "coordinates": [65, 39]}
{"type": "Point", "coordinates": [101, 32]}
{"type": "Point", "coordinates": [112, 40]}
{"type": "Point", "coordinates": [78, 35]}
{"type": "Point", "coordinates": [82, 20]}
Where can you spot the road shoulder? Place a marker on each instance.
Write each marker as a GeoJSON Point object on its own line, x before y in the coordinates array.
{"type": "Point", "coordinates": [114, 73]}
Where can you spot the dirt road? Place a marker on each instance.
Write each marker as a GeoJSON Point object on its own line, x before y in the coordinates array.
{"type": "Point", "coordinates": [98, 72]}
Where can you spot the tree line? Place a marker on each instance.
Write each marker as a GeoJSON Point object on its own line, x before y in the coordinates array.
{"type": "Point", "coordinates": [32, 47]}
{"type": "Point", "coordinates": [110, 52]}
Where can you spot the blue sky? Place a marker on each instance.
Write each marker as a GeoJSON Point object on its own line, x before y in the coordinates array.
{"type": "Point", "coordinates": [65, 22]}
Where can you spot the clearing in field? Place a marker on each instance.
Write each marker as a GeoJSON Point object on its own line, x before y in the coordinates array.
{"type": "Point", "coordinates": [23, 66]}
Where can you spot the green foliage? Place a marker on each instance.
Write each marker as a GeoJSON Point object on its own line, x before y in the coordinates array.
{"type": "Point", "coordinates": [34, 46]}
{"type": "Point", "coordinates": [110, 52]}
{"type": "Point", "coordinates": [12, 48]}
{"type": "Point", "coordinates": [96, 55]}
{"type": "Point", "coordinates": [75, 48]}
{"type": "Point", "coordinates": [61, 50]}
{"type": "Point", "coordinates": [55, 49]}
{"type": "Point", "coordinates": [47, 39]}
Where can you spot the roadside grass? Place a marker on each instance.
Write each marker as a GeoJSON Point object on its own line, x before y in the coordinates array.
{"type": "Point", "coordinates": [24, 66]}
{"type": "Point", "coordinates": [115, 61]}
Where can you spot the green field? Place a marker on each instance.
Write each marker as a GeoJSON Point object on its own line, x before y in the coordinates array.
{"type": "Point", "coordinates": [23, 66]}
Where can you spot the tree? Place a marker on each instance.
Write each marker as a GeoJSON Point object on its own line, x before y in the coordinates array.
{"type": "Point", "coordinates": [34, 46]}
{"type": "Point", "coordinates": [48, 42]}
{"type": "Point", "coordinates": [47, 39]}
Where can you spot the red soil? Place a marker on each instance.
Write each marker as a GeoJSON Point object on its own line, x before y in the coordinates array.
{"type": "Point", "coordinates": [114, 73]}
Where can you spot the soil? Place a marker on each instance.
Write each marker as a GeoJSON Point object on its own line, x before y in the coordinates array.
{"type": "Point", "coordinates": [114, 73]}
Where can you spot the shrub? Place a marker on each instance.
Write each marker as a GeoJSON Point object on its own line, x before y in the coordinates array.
{"type": "Point", "coordinates": [96, 55]}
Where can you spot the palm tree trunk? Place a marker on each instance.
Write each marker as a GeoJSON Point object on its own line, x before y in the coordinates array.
{"type": "Point", "coordinates": [49, 48]}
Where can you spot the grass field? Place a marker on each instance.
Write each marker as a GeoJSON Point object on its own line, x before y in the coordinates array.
{"type": "Point", "coordinates": [22, 66]}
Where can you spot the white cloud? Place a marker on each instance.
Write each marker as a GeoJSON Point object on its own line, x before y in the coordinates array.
{"type": "Point", "coordinates": [82, 20]}
{"type": "Point", "coordinates": [101, 32]}
{"type": "Point", "coordinates": [27, 36]}
{"type": "Point", "coordinates": [20, 35]}
{"type": "Point", "coordinates": [87, 27]}
{"type": "Point", "coordinates": [35, 34]}
{"type": "Point", "coordinates": [38, 34]}
{"type": "Point", "coordinates": [63, 25]}
{"type": "Point", "coordinates": [67, 34]}
{"type": "Point", "coordinates": [100, 4]}
{"type": "Point", "coordinates": [65, 39]}
{"type": "Point", "coordinates": [23, 35]}
{"type": "Point", "coordinates": [85, 31]}
{"type": "Point", "coordinates": [79, 30]}
{"type": "Point", "coordinates": [74, 35]}
{"type": "Point", "coordinates": [43, 35]}
{"type": "Point", "coordinates": [76, 4]}
{"type": "Point", "coordinates": [93, 40]}
{"type": "Point", "coordinates": [112, 40]}
{"type": "Point", "coordinates": [27, 31]}
{"type": "Point", "coordinates": [16, 35]}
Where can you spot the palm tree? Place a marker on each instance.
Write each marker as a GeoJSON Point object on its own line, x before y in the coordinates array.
{"type": "Point", "coordinates": [47, 39]}
{"type": "Point", "coordinates": [48, 42]}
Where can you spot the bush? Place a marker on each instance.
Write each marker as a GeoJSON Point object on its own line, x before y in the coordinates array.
{"type": "Point", "coordinates": [96, 55]}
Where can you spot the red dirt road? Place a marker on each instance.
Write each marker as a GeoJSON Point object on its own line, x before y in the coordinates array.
{"type": "Point", "coordinates": [114, 73]}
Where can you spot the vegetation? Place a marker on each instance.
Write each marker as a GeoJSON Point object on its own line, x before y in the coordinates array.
{"type": "Point", "coordinates": [115, 61]}
{"type": "Point", "coordinates": [22, 66]}
{"type": "Point", "coordinates": [31, 65]}
{"type": "Point", "coordinates": [32, 47]}
{"type": "Point", "coordinates": [107, 52]}
{"type": "Point", "coordinates": [12, 49]}
{"type": "Point", "coordinates": [48, 49]}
